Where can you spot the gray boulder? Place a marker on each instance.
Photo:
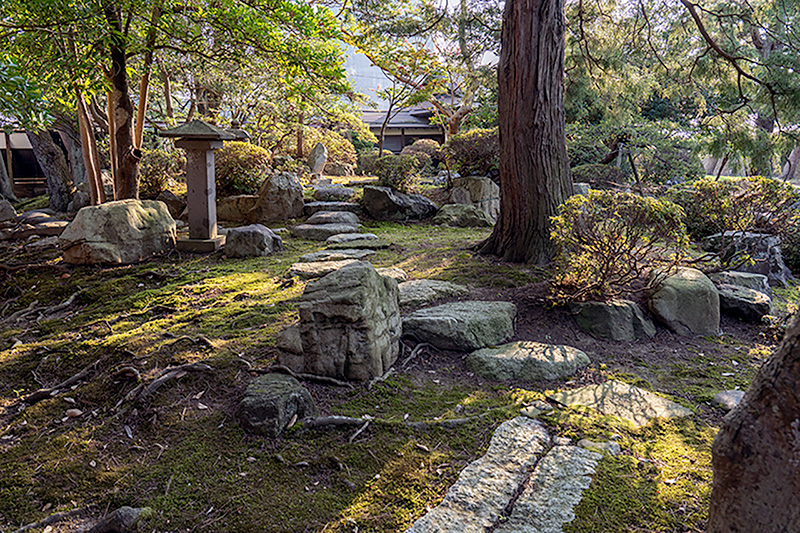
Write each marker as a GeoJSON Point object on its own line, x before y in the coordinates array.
{"type": "Point", "coordinates": [317, 269]}
{"type": "Point", "coordinates": [312, 207]}
{"type": "Point", "coordinates": [279, 198]}
{"type": "Point", "coordinates": [525, 360]}
{"type": "Point", "coordinates": [462, 326]}
{"type": "Point", "coordinates": [617, 320]}
{"type": "Point", "coordinates": [728, 399]}
{"type": "Point", "coordinates": [348, 237]}
{"type": "Point", "coordinates": [483, 193]}
{"type": "Point", "coordinates": [383, 203]}
{"type": "Point", "coordinates": [175, 203]}
{"type": "Point", "coordinates": [252, 240]}
{"type": "Point", "coordinates": [317, 158]}
{"type": "Point", "coordinates": [463, 216]}
{"type": "Point", "coordinates": [757, 282]}
{"type": "Point", "coordinates": [7, 211]}
{"type": "Point", "coordinates": [763, 248]}
{"type": "Point", "coordinates": [396, 273]}
{"type": "Point", "coordinates": [271, 402]}
{"type": "Point", "coordinates": [333, 217]}
{"type": "Point", "coordinates": [80, 200]}
{"type": "Point", "coordinates": [333, 194]}
{"type": "Point", "coordinates": [686, 302]}
{"type": "Point", "coordinates": [459, 195]}
{"type": "Point", "coordinates": [744, 303]}
{"type": "Point", "coordinates": [320, 232]}
{"type": "Point", "coordinates": [424, 291]}
{"type": "Point", "coordinates": [349, 324]}
{"type": "Point", "coordinates": [120, 232]}
{"type": "Point", "coordinates": [336, 255]}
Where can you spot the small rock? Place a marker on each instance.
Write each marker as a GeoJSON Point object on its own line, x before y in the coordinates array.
{"type": "Point", "coordinates": [397, 274]}
{"type": "Point", "coordinates": [618, 320]}
{"type": "Point", "coordinates": [369, 244]}
{"type": "Point", "coordinates": [741, 302]}
{"type": "Point", "coordinates": [463, 216]}
{"type": "Point", "coordinates": [347, 237]}
{"type": "Point", "coordinates": [313, 207]}
{"type": "Point", "coordinates": [535, 409]}
{"type": "Point", "coordinates": [73, 413]}
{"type": "Point", "coordinates": [612, 448]}
{"type": "Point", "coordinates": [333, 217]}
{"type": "Point", "coordinates": [686, 302]}
{"type": "Point", "coordinates": [252, 241]}
{"type": "Point", "coordinates": [462, 326]}
{"type": "Point", "coordinates": [728, 399]}
{"type": "Point", "coordinates": [271, 401]}
{"type": "Point", "coordinates": [7, 211]}
{"type": "Point", "coordinates": [757, 282]}
{"type": "Point", "coordinates": [333, 194]}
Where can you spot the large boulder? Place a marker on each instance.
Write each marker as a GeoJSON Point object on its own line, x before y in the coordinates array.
{"type": "Point", "coordinates": [120, 232]}
{"type": "Point", "coordinates": [349, 324]}
{"type": "Point", "coordinates": [7, 211]}
{"type": "Point", "coordinates": [271, 402]}
{"type": "Point", "coordinates": [424, 291]}
{"type": "Point", "coordinates": [279, 198]}
{"type": "Point", "coordinates": [483, 193]}
{"type": "Point", "coordinates": [530, 361]}
{"type": "Point", "coordinates": [757, 282]}
{"type": "Point", "coordinates": [463, 216]}
{"type": "Point", "coordinates": [756, 453]}
{"type": "Point", "coordinates": [317, 158]}
{"type": "Point", "coordinates": [383, 203]}
{"type": "Point", "coordinates": [763, 248]}
{"type": "Point", "coordinates": [462, 326]}
{"type": "Point", "coordinates": [686, 302]}
{"type": "Point", "coordinates": [744, 303]}
{"type": "Point", "coordinates": [252, 240]}
{"type": "Point", "coordinates": [616, 320]}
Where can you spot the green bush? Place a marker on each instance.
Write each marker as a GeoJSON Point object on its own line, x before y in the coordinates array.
{"type": "Point", "coordinates": [609, 240]}
{"type": "Point", "coordinates": [427, 152]}
{"type": "Point", "coordinates": [340, 149]}
{"type": "Point", "coordinates": [670, 163]}
{"type": "Point", "coordinates": [156, 168]}
{"type": "Point", "coordinates": [399, 172]}
{"type": "Point", "coordinates": [476, 152]}
{"type": "Point", "coordinates": [598, 176]}
{"type": "Point", "coordinates": [584, 149]}
{"type": "Point", "coordinates": [240, 168]}
{"type": "Point", "coordinates": [366, 161]}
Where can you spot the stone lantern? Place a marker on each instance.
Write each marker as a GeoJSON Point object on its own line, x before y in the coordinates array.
{"type": "Point", "coordinates": [200, 139]}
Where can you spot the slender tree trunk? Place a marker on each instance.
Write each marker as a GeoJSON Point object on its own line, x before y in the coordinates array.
{"type": "Point", "coordinates": [300, 139]}
{"type": "Point", "coordinates": [167, 92]}
{"type": "Point", "coordinates": [534, 169]}
{"type": "Point", "coordinates": [144, 85]}
{"type": "Point", "coordinates": [791, 164]}
{"type": "Point", "coordinates": [55, 168]}
{"type": "Point", "coordinates": [91, 158]}
{"type": "Point", "coordinates": [71, 140]}
{"type": "Point", "coordinates": [722, 165]}
{"type": "Point", "coordinates": [126, 162]}
{"type": "Point", "coordinates": [7, 175]}
{"type": "Point", "coordinates": [756, 454]}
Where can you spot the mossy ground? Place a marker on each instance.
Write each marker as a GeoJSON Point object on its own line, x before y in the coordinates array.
{"type": "Point", "coordinates": [183, 454]}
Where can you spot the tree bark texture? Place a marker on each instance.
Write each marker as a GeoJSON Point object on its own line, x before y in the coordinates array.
{"type": "Point", "coordinates": [756, 454]}
{"type": "Point", "coordinates": [6, 174]}
{"type": "Point", "coordinates": [791, 164]}
{"type": "Point", "coordinates": [55, 168]}
{"type": "Point", "coordinates": [534, 169]}
{"type": "Point", "coordinates": [126, 162]}
{"type": "Point", "coordinates": [71, 139]}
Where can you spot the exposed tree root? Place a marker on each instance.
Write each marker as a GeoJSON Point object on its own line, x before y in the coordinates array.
{"type": "Point", "coordinates": [300, 376]}
{"type": "Point", "coordinates": [54, 518]}
{"type": "Point", "coordinates": [42, 394]}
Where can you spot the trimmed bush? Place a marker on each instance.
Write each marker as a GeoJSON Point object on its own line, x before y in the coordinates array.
{"type": "Point", "coordinates": [669, 164]}
{"type": "Point", "coordinates": [598, 176]}
{"type": "Point", "coordinates": [608, 240]}
{"type": "Point", "coordinates": [156, 168]}
{"type": "Point", "coordinates": [240, 168]}
{"type": "Point", "coordinates": [366, 162]}
{"type": "Point", "coordinates": [399, 172]}
{"type": "Point", "coordinates": [476, 152]}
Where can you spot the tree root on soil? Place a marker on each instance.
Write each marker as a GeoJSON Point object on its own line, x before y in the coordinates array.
{"type": "Point", "coordinates": [56, 517]}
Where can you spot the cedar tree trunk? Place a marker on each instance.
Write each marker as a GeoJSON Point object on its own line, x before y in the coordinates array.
{"type": "Point", "coordinates": [55, 168]}
{"type": "Point", "coordinates": [534, 170]}
{"type": "Point", "coordinates": [756, 454]}
{"type": "Point", "coordinates": [126, 171]}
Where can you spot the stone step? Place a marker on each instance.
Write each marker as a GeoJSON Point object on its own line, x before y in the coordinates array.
{"type": "Point", "coordinates": [335, 255]}
{"type": "Point", "coordinates": [317, 269]}
{"type": "Point", "coordinates": [462, 326]}
{"type": "Point", "coordinates": [320, 232]}
{"type": "Point", "coordinates": [312, 207]}
{"type": "Point", "coordinates": [368, 244]}
{"type": "Point", "coordinates": [423, 291]}
{"type": "Point", "coordinates": [333, 217]}
{"type": "Point", "coordinates": [527, 360]}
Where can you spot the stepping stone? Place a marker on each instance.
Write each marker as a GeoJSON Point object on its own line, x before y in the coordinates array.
{"type": "Point", "coordinates": [333, 194]}
{"type": "Point", "coordinates": [462, 326]}
{"type": "Point", "coordinates": [312, 207]}
{"type": "Point", "coordinates": [397, 274]}
{"type": "Point", "coordinates": [347, 237]}
{"type": "Point", "coordinates": [617, 320]}
{"type": "Point", "coordinates": [622, 400]}
{"type": "Point", "coordinates": [317, 269]}
{"type": "Point", "coordinates": [486, 486]}
{"type": "Point", "coordinates": [250, 241]}
{"type": "Point", "coordinates": [320, 232]}
{"type": "Point", "coordinates": [43, 229]}
{"type": "Point", "coordinates": [423, 291]}
{"type": "Point", "coordinates": [525, 360]}
{"type": "Point", "coordinates": [740, 302]}
{"type": "Point", "coordinates": [271, 401]}
{"type": "Point", "coordinates": [335, 255]}
{"type": "Point", "coordinates": [554, 489]}
{"type": "Point", "coordinates": [333, 217]}
{"type": "Point", "coordinates": [368, 244]}
{"type": "Point", "coordinates": [728, 399]}
{"type": "Point", "coordinates": [612, 448]}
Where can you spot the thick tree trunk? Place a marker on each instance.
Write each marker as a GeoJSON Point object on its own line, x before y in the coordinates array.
{"type": "Point", "coordinates": [55, 168]}
{"type": "Point", "coordinates": [534, 169]}
{"type": "Point", "coordinates": [126, 162]}
{"type": "Point", "coordinates": [756, 454]}
{"type": "Point", "coordinates": [72, 143]}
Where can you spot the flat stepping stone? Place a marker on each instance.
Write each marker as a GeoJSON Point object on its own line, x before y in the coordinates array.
{"type": "Point", "coordinates": [728, 399]}
{"type": "Point", "coordinates": [333, 194]}
{"type": "Point", "coordinates": [462, 326]}
{"type": "Point", "coordinates": [312, 207]}
{"type": "Point", "coordinates": [622, 400]}
{"type": "Point", "coordinates": [368, 244]}
{"type": "Point", "coordinates": [485, 487]}
{"type": "Point", "coordinates": [423, 291]}
{"type": "Point", "coordinates": [555, 488]}
{"type": "Point", "coordinates": [317, 269]}
{"type": "Point", "coordinates": [47, 228]}
{"type": "Point", "coordinates": [526, 360]}
{"type": "Point", "coordinates": [335, 255]}
{"type": "Point", "coordinates": [397, 274]}
{"type": "Point", "coordinates": [333, 217]}
{"type": "Point", "coordinates": [320, 232]}
{"type": "Point", "coordinates": [348, 237]}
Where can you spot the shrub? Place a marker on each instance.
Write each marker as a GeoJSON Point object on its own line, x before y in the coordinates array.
{"type": "Point", "coordinates": [366, 161]}
{"type": "Point", "coordinates": [598, 176]}
{"type": "Point", "coordinates": [669, 163]}
{"type": "Point", "coordinates": [240, 168]}
{"type": "Point", "coordinates": [425, 146]}
{"type": "Point", "coordinates": [340, 149]}
{"type": "Point", "coordinates": [156, 168]}
{"type": "Point", "coordinates": [584, 148]}
{"type": "Point", "coordinates": [476, 152]}
{"type": "Point", "coordinates": [399, 172]}
{"type": "Point", "coordinates": [609, 240]}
